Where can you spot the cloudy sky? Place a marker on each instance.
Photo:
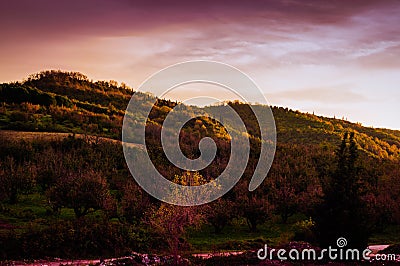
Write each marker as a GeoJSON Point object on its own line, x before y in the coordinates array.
{"type": "Point", "coordinates": [336, 58]}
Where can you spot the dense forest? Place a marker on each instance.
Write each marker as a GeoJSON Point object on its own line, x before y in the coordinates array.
{"type": "Point", "coordinates": [74, 197]}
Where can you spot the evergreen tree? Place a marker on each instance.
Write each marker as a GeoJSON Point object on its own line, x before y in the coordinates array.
{"type": "Point", "coordinates": [342, 212]}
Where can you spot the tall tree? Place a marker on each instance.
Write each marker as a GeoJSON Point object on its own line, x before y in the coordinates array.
{"type": "Point", "coordinates": [343, 213]}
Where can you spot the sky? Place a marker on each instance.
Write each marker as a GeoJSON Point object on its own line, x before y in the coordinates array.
{"type": "Point", "coordinates": [333, 58]}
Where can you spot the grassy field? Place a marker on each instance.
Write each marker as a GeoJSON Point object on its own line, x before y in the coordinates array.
{"type": "Point", "coordinates": [237, 237]}
{"type": "Point", "coordinates": [30, 208]}
{"type": "Point", "coordinates": [29, 136]}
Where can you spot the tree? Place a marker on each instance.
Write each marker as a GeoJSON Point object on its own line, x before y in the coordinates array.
{"type": "Point", "coordinates": [254, 206]}
{"type": "Point", "coordinates": [83, 192]}
{"type": "Point", "coordinates": [171, 222]}
{"type": "Point", "coordinates": [293, 195]}
{"type": "Point", "coordinates": [294, 183]}
{"type": "Point", "coordinates": [135, 202]}
{"type": "Point", "coordinates": [15, 178]}
{"type": "Point", "coordinates": [343, 213]}
{"type": "Point", "coordinates": [383, 200]}
{"type": "Point", "coordinates": [219, 213]}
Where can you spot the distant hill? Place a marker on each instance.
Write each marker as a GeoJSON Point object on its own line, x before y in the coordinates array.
{"type": "Point", "coordinates": [56, 101]}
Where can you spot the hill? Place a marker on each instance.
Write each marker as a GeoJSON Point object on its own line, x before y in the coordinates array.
{"type": "Point", "coordinates": [55, 101]}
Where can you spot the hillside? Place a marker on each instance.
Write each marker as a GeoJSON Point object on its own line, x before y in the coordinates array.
{"type": "Point", "coordinates": [66, 190]}
{"type": "Point", "coordinates": [55, 101]}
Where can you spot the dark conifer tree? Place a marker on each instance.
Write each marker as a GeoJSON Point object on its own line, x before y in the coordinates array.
{"type": "Point", "coordinates": [342, 212]}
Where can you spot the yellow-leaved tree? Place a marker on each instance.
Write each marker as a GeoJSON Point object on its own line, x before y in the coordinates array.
{"type": "Point", "coordinates": [171, 222]}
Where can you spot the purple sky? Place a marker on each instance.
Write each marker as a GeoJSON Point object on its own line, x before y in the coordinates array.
{"type": "Point", "coordinates": [332, 57]}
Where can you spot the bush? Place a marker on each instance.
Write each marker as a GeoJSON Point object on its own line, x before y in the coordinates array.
{"type": "Point", "coordinates": [303, 231]}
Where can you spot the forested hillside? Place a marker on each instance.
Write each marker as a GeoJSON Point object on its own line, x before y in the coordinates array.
{"type": "Point", "coordinates": [74, 196]}
{"type": "Point", "coordinates": [69, 102]}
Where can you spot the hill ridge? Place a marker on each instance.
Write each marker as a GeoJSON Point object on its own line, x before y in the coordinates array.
{"type": "Point", "coordinates": [69, 102]}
